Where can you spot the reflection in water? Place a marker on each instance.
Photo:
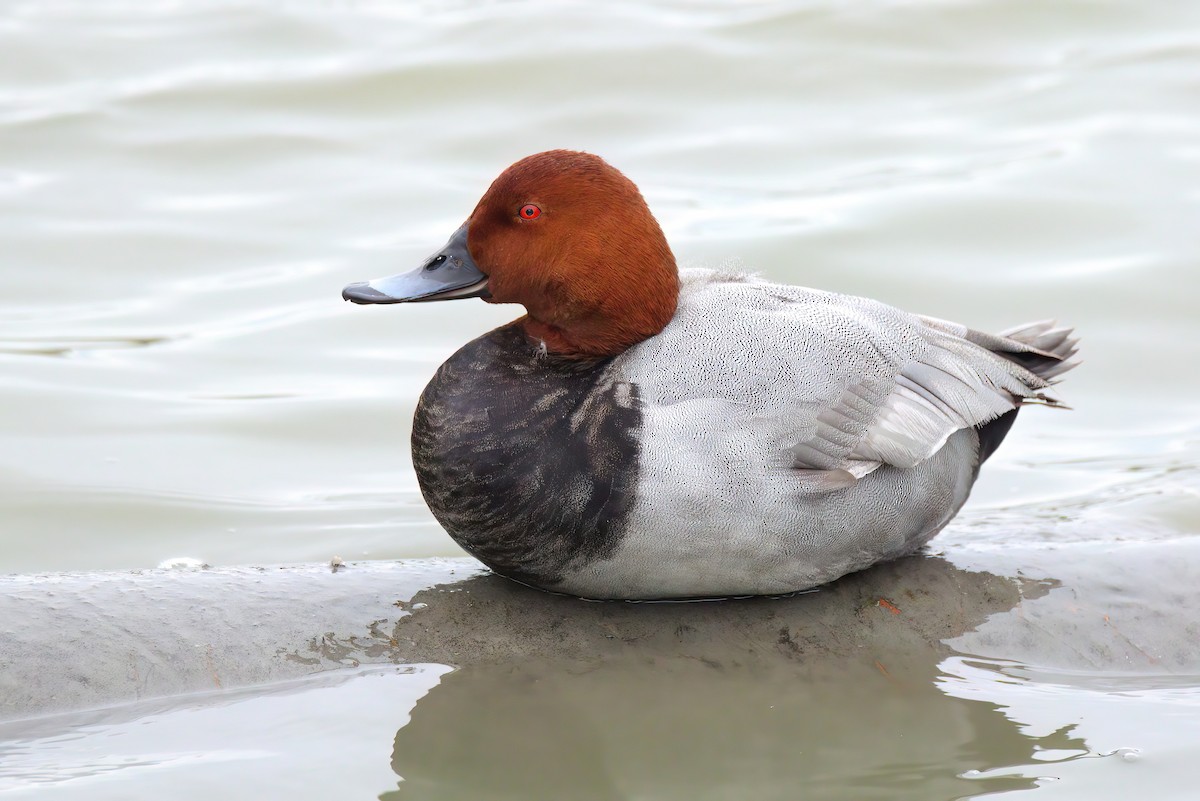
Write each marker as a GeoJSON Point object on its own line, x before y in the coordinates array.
{"type": "Point", "coordinates": [828, 693]}
{"type": "Point", "coordinates": [681, 729]}
{"type": "Point", "coordinates": [849, 692]}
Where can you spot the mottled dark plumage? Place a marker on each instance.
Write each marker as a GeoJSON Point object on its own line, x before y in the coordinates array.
{"type": "Point", "coordinates": [529, 462]}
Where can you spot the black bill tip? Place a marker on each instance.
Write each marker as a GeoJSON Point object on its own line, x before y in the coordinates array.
{"type": "Point", "coordinates": [363, 292]}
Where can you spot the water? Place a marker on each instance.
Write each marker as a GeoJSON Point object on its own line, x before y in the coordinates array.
{"type": "Point", "coordinates": [185, 187]}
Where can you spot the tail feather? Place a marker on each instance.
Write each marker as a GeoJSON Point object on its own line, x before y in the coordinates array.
{"type": "Point", "coordinates": [1046, 349]}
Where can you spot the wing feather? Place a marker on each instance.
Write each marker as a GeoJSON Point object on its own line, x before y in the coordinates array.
{"type": "Point", "coordinates": [840, 384]}
{"type": "Point", "coordinates": [955, 378]}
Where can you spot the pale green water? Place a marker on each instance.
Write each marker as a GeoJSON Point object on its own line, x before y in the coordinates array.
{"type": "Point", "coordinates": [185, 187]}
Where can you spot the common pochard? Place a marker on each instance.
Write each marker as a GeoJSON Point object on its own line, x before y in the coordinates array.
{"type": "Point", "coordinates": [649, 432]}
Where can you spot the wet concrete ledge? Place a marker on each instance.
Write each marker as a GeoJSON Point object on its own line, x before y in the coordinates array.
{"type": "Point", "coordinates": [79, 641]}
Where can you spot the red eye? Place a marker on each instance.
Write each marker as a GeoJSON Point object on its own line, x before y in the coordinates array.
{"type": "Point", "coordinates": [530, 212]}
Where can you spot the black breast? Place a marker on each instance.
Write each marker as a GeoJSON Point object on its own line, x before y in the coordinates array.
{"type": "Point", "coordinates": [529, 463]}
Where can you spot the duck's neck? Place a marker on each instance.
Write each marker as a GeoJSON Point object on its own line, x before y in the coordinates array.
{"type": "Point", "coordinates": [610, 323]}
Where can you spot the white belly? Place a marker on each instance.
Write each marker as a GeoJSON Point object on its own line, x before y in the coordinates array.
{"type": "Point", "coordinates": [718, 521]}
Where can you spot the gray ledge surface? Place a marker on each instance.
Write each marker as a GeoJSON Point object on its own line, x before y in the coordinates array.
{"type": "Point", "coordinates": [79, 641]}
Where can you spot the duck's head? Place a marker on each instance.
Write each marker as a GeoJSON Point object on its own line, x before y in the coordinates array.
{"type": "Point", "coordinates": [568, 237]}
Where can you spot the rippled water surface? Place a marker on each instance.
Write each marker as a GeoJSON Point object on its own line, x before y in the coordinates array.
{"type": "Point", "coordinates": [186, 186]}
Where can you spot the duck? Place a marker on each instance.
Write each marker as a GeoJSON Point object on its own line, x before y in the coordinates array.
{"type": "Point", "coordinates": [647, 432]}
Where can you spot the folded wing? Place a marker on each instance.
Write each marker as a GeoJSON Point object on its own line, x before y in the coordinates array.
{"type": "Point", "coordinates": [949, 378]}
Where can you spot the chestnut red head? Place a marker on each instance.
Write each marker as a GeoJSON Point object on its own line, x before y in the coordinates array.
{"type": "Point", "coordinates": [571, 239]}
